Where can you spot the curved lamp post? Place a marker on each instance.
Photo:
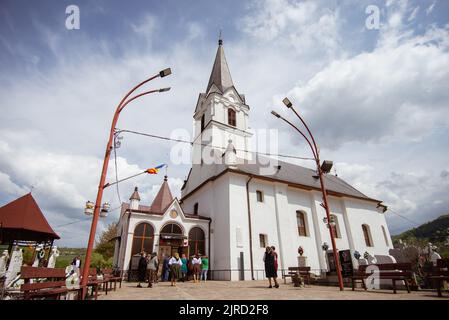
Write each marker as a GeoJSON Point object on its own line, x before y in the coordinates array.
{"type": "Point", "coordinates": [321, 169]}
{"type": "Point", "coordinates": [102, 185]}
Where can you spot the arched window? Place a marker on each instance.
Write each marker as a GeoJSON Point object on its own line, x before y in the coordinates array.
{"type": "Point", "coordinates": [143, 238]}
{"type": "Point", "coordinates": [196, 241]}
{"type": "Point", "coordinates": [367, 235]}
{"type": "Point", "coordinates": [301, 220]}
{"type": "Point", "coordinates": [231, 117]}
{"type": "Point", "coordinates": [171, 228]}
{"type": "Point", "coordinates": [336, 226]}
{"type": "Point", "coordinates": [385, 236]}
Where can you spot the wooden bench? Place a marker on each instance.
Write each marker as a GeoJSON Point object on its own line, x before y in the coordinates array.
{"type": "Point", "coordinates": [439, 274]}
{"type": "Point", "coordinates": [108, 274]}
{"type": "Point", "coordinates": [392, 271]}
{"type": "Point", "coordinates": [95, 283]}
{"type": "Point", "coordinates": [53, 287]}
{"type": "Point", "coordinates": [301, 271]}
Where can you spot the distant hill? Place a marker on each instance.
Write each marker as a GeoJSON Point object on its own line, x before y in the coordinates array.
{"type": "Point", "coordinates": [435, 230]}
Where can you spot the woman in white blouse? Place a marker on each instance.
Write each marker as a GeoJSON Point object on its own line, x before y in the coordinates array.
{"type": "Point", "coordinates": [196, 262]}
{"type": "Point", "coordinates": [175, 264]}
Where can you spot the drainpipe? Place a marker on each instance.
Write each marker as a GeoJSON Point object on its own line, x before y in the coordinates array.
{"type": "Point", "coordinates": [208, 246]}
{"type": "Point", "coordinates": [250, 229]}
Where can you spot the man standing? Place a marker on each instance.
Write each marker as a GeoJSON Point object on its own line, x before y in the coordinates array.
{"type": "Point", "coordinates": [165, 267]}
{"type": "Point", "coordinates": [152, 268]}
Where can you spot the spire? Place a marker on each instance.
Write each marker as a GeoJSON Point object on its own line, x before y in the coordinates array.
{"type": "Point", "coordinates": [135, 195]}
{"type": "Point", "coordinates": [220, 75]}
{"type": "Point", "coordinates": [162, 199]}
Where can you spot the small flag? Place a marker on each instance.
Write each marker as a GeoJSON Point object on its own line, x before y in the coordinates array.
{"type": "Point", "coordinates": [155, 169]}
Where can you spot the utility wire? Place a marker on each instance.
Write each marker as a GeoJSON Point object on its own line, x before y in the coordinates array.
{"type": "Point", "coordinates": [405, 218]}
{"type": "Point", "coordinates": [207, 145]}
{"type": "Point", "coordinates": [81, 220]}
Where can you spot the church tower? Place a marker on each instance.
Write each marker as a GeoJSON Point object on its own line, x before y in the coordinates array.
{"type": "Point", "coordinates": [221, 117]}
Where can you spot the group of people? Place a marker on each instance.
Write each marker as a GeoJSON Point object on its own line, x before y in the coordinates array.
{"type": "Point", "coordinates": [174, 268]}
{"type": "Point", "coordinates": [270, 260]}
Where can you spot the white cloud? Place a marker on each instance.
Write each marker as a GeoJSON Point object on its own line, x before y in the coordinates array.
{"type": "Point", "coordinates": [392, 93]}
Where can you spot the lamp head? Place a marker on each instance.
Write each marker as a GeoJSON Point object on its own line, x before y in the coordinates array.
{"type": "Point", "coordinates": [164, 89]}
{"type": "Point", "coordinates": [326, 166]}
{"type": "Point", "coordinates": [274, 113]}
{"type": "Point", "coordinates": [165, 72]}
{"type": "Point", "coordinates": [287, 103]}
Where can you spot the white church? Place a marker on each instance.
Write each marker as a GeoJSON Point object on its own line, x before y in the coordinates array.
{"type": "Point", "coordinates": [234, 202]}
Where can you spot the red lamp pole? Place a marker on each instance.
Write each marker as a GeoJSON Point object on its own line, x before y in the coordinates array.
{"type": "Point", "coordinates": [104, 170]}
{"type": "Point", "coordinates": [325, 204]}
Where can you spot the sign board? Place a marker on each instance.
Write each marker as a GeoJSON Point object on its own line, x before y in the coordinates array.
{"type": "Point", "coordinates": [346, 263]}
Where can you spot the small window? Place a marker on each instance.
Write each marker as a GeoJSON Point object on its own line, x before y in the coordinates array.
{"type": "Point", "coordinates": [259, 195]}
{"type": "Point", "coordinates": [385, 236]}
{"type": "Point", "coordinates": [195, 208]}
{"type": "Point", "coordinates": [367, 235]}
{"type": "Point", "coordinates": [263, 240]}
{"type": "Point", "coordinates": [202, 123]}
{"type": "Point", "coordinates": [301, 220]}
{"type": "Point", "coordinates": [335, 227]}
{"type": "Point", "coordinates": [231, 117]}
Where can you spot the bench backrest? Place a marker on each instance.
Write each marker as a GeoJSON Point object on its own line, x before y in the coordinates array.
{"type": "Point", "coordinates": [34, 273]}
{"type": "Point", "coordinates": [107, 271]}
{"type": "Point", "coordinates": [395, 267]}
{"type": "Point", "coordinates": [55, 277]}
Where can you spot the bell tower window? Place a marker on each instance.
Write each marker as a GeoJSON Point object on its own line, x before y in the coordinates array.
{"type": "Point", "coordinates": [231, 117]}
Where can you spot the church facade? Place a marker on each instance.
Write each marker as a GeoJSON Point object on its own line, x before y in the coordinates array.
{"type": "Point", "coordinates": [235, 202]}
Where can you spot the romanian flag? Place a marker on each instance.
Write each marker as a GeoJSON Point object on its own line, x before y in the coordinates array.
{"type": "Point", "coordinates": [155, 169]}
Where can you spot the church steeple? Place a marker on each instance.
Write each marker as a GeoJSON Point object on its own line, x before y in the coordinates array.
{"type": "Point", "coordinates": [220, 75]}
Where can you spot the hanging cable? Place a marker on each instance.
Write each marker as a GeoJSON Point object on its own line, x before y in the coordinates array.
{"type": "Point", "coordinates": [207, 145]}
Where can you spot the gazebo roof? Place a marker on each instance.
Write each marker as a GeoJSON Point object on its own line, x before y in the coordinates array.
{"type": "Point", "coordinates": [22, 219]}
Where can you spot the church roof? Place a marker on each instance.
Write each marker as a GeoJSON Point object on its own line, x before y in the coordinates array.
{"type": "Point", "coordinates": [292, 174]}
{"type": "Point", "coordinates": [135, 195]}
{"type": "Point", "coordinates": [220, 75]}
{"type": "Point", "coordinates": [163, 198]}
{"type": "Point", "coordinates": [22, 219]}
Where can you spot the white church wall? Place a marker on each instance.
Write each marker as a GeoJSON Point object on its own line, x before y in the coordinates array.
{"type": "Point", "coordinates": [299, 200]}
{"type": "Point", "coordinates": [263, 220]}
{"type": "Point", "coordinates": [213, 201]}
{"type": "Point", "coordinates": [363, 212]}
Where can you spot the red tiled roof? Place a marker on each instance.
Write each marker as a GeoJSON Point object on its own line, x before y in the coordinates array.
{"type": "Point", "coordinates": [22, 219]}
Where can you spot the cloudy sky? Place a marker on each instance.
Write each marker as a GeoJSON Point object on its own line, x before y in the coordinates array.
{"type": "Point", "coordinates": [375, 98]}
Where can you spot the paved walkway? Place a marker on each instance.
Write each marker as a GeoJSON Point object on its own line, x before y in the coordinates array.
{"type": "Point", "coordinates": [254, 290]}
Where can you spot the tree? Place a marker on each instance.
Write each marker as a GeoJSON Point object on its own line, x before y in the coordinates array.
{"type": "Point", "coordinates": [106, 244]}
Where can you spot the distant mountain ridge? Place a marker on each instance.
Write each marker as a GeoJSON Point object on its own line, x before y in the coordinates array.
{"type": "Point", "coordinates": [434, 229]}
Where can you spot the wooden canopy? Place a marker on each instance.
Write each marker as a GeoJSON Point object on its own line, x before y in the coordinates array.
{"type": "Point", "coordinates": [22, 219]}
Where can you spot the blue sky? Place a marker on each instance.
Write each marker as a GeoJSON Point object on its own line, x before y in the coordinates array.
{"type": "Point", "coordinates": [376, 99]}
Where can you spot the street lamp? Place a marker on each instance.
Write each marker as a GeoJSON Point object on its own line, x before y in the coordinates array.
{"type": "Point", "coordinates": [96, 210]}
{"type": "Point", "coordinates": [321, 170]}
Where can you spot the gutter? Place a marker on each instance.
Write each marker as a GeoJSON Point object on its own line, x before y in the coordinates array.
{"type": "Point", "coordinates": [250, 228]}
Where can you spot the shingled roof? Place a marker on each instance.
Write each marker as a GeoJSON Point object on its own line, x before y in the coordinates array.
{"type": "Point", "coordinates": [163, 198]}
{"type": "Point", "coordinates": [220, 75]}
{"type": "Point", "coordinates": [22, 219]}
{"type": "Point", "coordinates": [292, 174]}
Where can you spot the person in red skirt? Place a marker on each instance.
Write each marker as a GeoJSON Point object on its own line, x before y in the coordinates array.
{"type": "Point", "coordinates": [275, 254]}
